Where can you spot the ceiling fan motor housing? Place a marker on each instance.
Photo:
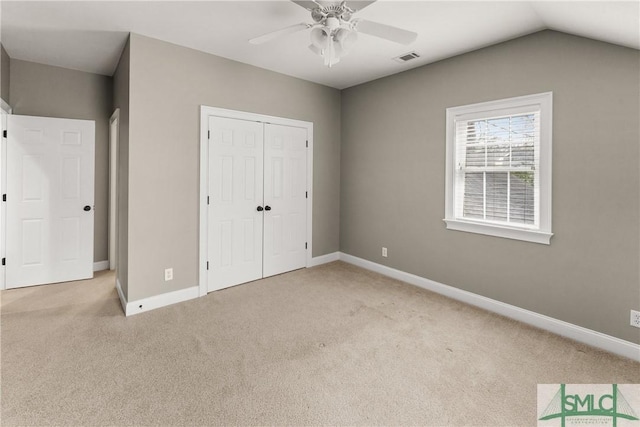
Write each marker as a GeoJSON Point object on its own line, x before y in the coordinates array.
{"type": "Point", "coordinates": [332, 23]}
{"type": "Point", "coordinates": [342, 12]}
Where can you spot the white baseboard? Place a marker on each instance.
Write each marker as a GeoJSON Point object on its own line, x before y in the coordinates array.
{"type": "Point", "coordinates": [324, 259]}
{"type": "Point", "coordinates": [146, 304]}
{"type": "Point", "coordinates": [163, 300]}
{"type": "Point", "coordinates": [100, 265]}
{"type": "Point", "coordinates": [569, 330]}
{"type": "Point", "coordinates": [123, 300]}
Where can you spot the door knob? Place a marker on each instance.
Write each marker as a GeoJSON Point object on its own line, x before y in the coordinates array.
{"type": "Point", "coordinates": [267, 208]}
{"type": "Point", "coordinates": [259, 209]}
{"type": "Point", "coordinates": [87, 208]}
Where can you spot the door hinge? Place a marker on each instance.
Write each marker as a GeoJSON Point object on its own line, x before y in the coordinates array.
{"type": "Point", "coordinates": [306, 194]}
{"type": "Point", "coordinates": [4, 197]}
{"type": "Point", "coordinates": [307, 144]}
{"type": "Point", "coordinates": [4, 261]}
{"type": "Point", "coordinates": [305, 245]}
{"type": "Point", "coordinates": [4, 133]}
{"type": "Point", "coordinates": [207, 199]}
{"type": "Point", "coordinates": [208, 134]}
{"type": "Point", "coordinates": [207, 265]}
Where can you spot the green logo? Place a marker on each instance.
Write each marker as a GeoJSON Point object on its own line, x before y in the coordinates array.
{"type": "Point", "coordinates": [613, 405]}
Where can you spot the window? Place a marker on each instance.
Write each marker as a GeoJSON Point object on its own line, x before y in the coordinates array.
{"type": "Point", "coordinates": [499, 168]}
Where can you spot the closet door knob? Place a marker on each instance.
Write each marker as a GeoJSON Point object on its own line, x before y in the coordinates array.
{"type": "Point", "coordinates": [260, 209]}
{"type": "Point", "coordinates": [267, 208]}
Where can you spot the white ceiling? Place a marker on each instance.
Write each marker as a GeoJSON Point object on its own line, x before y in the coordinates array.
{"type": "Point", "coordinates": [90, 35]}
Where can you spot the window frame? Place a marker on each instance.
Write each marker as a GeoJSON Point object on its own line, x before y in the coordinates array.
{"type": "Point", "coordinates": [542, 102]}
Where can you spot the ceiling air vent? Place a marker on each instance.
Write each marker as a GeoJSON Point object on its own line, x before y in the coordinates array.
{"type": "Point", "coordinates": [406, 57]}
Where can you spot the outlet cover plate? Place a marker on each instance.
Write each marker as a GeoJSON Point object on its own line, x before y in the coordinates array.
{"type": "Point", "coordinates": [635, 318]}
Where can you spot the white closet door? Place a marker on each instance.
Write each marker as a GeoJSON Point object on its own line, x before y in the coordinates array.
{"type": "Point", "coordinates": [235, 191]}
{"type": "Point", "coordinates": [50, 176]}
{"type": "Point", "coordinates": [285, 186]}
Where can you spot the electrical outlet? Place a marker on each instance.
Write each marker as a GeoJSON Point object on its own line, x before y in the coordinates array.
{"type": "Point", "coordinates": [168, 274]}
{"type": "Point", "coordinates": [635, 318]}
{"type": "Point", "coordinates": [384, 252]}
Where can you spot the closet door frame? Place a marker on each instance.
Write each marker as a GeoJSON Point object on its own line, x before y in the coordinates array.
{"type": "Point", "coordinates": [205, 113]}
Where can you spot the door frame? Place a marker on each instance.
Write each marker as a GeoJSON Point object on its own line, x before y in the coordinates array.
{"type": "Point", "coordinates": [205, 112]}
{"type": "Point", "coordinates": [114, 144]}
{"type": "Point", "coordinates": [5, 110]}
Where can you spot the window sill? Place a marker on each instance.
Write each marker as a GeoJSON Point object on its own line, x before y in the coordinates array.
{"type": "Point", "coordinates": [533, 236]}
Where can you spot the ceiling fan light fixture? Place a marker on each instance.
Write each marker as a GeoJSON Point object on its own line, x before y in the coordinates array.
{"type": "Point", "coordinates": [320, 38]}
{"type": "Point", "coordinates": [346, 38]}
{"type": "Point", "coordinates": [341, 34]}
{"type": "Point", "coordinates": [338, 51]}
{"type": "Point", "coordinates": [330, 55]}
{"type": "Point", "coordinates": [323, 44]}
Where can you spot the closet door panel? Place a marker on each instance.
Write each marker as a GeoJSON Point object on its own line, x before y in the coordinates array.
{"type": "Point", "coordinates": [235, 192]}
{"type": "Point", "coordinates": [285, 186]}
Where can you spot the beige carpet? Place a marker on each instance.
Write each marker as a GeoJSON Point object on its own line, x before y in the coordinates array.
{"type": "Point", "coordinates": [333, 345]}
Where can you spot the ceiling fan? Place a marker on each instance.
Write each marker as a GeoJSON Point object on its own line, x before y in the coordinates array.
{"type": "Point", "coordinates": [335, 30]}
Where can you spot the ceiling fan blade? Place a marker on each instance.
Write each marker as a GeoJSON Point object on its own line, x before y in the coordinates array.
{"type": "Point", "coordinates": [387, 32]}
{"type": "Point", "coordinates": [357, 5]}
{"type": "Point", "coordinates": [307, 4]}
{"type": "Point", "coordinates": [284, 31]}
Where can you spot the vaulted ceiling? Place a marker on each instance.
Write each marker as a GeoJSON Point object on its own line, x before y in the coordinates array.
{"type": "Point", "coordinates": [90, 35]}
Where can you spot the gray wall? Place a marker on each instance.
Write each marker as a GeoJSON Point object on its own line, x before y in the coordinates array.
{"type": "Point", "coordinates": [121, 91]}
{"type": "Point", "coordinates": [43, 90]}
{"type": "Point", "coordinates": [393, 171]}
{"type": "Point", "coordinates": [5, 63]}
{"type": "Point", "coordinates": [168, 85]}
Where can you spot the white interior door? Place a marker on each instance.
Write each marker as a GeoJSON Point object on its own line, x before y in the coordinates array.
{"type": "Point", "coordinates": [50, 196]}
{"type": "Point", "coordinates": [235, 193]}
{"type": "Point", "coordinates": [285, 187]}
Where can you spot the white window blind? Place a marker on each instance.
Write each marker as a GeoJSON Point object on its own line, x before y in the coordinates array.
{"type": "Point", "coordinates": [497, 168]}
{"type": "Point", "coordinates": [494, 167]}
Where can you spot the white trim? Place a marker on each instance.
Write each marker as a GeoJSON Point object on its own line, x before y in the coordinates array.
{"type": "Point", "coordinates": [101, 265]}
{"type": "Point", "coordinates": [244, 115]}
{"type": "Point", "coordinates": [4, 106]}
{"type": "Point", "coordinates": [543, 102]}
{"type": "Point", "coordinates": [559, 327]}
{"type": "Point", "coordinates": [114, 144]}
{"type": "Point", "coordinates": [123, 300]}
{"type": "Point", "coordinates": [534, 236]}
{"type": "Point", "coordinates": [324, 259]}
{"type": "Point", "coordinates": [309, 127]}
{"type": "Point", "coordinates": [203, 230]}
{"type": "Point", "coordinates": [205, 112]}
{"type": "Point", "coordinates": [5, 110]}
{"type": "Point", "coordinates": [158, 301]}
